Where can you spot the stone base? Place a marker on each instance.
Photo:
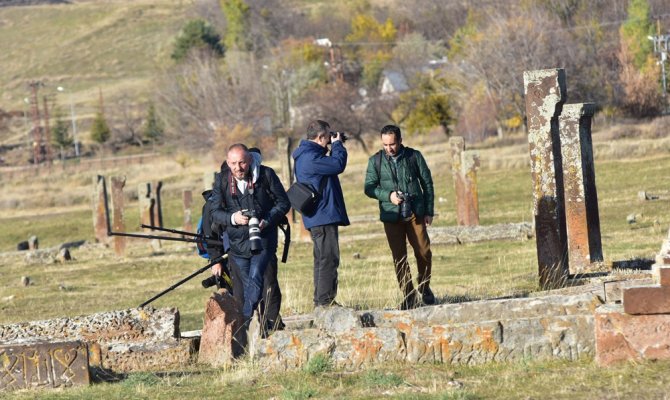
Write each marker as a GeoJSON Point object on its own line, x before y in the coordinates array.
{"type": "Point", "coordinates": [625, 337]}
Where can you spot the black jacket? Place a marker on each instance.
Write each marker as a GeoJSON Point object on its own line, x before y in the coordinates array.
{"type": "Point", "coordinates": [268, 200]}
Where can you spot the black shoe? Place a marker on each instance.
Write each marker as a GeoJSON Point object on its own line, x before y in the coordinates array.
{"type": "Point", "coordinates": [428, 297]}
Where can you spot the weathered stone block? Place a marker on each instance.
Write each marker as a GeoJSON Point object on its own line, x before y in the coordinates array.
{"type": "Point", "coordinates": [42, 364]}
{"type": "Point", "coordinates": [223, 333]}
{"type": "Point", "coordinates": [124, 358]}
{"type": "Point", "coordinates": [367, 346]}
{"type": "Point", "coordinates": [285, 350]}
{"type": "Point", "coordinates": [624, 337]}
{"type": "Point", "coordinates": [120, 341]}
{"type": "Point", "coordinates": [614, 289]}
{"type": "Point", "coordinates": [336, 319]}
{"type": "Point", "coordinates": [647, 300]}
{"type": "Point", "coordinates": [661, 274]}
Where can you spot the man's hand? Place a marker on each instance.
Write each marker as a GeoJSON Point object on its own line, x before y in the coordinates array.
{"type": "Point", "coordinates": [240, 219]}
{"type": "Point", "coordinates": [395, 199]}
{"type": "Point", "coordinates": [335, 138]}
{"type": "Point", "coordinates": [427, 219]}
{"type": "Point", "coordinates": [262, 224]}
{"type": "Point", "coordinates": [216, 269]}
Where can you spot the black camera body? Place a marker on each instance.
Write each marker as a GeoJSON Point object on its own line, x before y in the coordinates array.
{"type": "Point", "coordinates": [406, 205]}
{"type": "Point", "coordinates": [343, 136]}
{"type": "Point", "coordinates": [255, 244]}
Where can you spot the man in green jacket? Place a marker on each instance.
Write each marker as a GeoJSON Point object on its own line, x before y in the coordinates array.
{"type": "Point", "coordinates": [400, 179]}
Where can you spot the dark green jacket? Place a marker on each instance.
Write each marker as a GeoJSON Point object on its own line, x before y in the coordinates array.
{"type": "Point", "coordinates": [380, 186]}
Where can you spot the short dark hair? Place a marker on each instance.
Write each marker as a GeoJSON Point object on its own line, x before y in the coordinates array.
{"type": "Point", "coordinates": [254, 150]}
{"type": "Point", "coordinates": [392, 129]}
{"type": "Point", "coordinates": [317, 128]}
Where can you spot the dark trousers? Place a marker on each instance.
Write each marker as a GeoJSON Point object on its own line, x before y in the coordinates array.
{"type": "Point", "coordinates": [326, 260]}
{"type": "Point", "coordinates": [412, 231]}
{"type": "Point", "coordinates": [271, 298]}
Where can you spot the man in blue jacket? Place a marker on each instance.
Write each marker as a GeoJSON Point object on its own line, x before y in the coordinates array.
{"type": "Point", "coordinates": [312, 165]}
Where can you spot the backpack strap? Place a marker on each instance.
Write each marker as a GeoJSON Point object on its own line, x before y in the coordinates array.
{"type": "Point", "coordinates": [283, 224]}
{"type": "Point", "coordinates": [378, 163]}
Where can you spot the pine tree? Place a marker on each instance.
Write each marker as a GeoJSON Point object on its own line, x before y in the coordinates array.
{"type": "Point", "coordinates": [197, 34]}
{"type": "Point", "coordinates": [152, 129]}
{"type": "Point", "coordinates": [100, 131]}
{"type": "Point", "coordinates": [60, 136]}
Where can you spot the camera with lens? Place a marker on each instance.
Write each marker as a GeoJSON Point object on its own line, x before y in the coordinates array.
{"type": "Point", "coordinates": [255, 244]}
{"type": "Point", "coordinates": [406, 205]}
{"type": "Point", "coordinates": [213, 280]}
{"type": "Point", "coordinates": [343, 136]}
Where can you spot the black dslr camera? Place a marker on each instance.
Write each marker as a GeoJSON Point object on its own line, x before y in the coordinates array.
{"type": "Point", "coordinates": [343, 136]}
{"type": "Point", "coordinates": [255, 244]}
{"type": "Point", "coordinates": [406, 205]}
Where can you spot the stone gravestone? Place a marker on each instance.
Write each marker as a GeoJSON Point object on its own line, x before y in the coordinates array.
{"type": "Point", "coordinates": [99, 218]}
{"type": "Point", "coordinates": [579, 178]}
{"type": "Point", "coordinates": [150, 213]}
{"type": "Point", "coordinates": [545, 92]}
{"type": "Point", "coordinates": [117, 214]}
{"type": "Point", "coordinates": [187, 198]}
{"type": "Point", "coordinates": [42, 364]}
{"type": "Point", "coordinates": [456, 148]}
{"type": "Point", "coordinates": [222, 337]}
{"type": "Point", "coordinates": [464, 165]}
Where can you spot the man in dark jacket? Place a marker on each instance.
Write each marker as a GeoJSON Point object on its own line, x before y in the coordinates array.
{"type": "Point", "coordinates": [396, 175]}
{"type": "Point", "coordinates": [237, 194]}
{"type": "Point", "coordinates": [312, 166]}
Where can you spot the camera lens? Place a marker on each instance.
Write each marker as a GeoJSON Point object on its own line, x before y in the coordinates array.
{"type": "Point", "coordinates": [255, 244]}
{"type": "Point", "coordinates": [209, 282]}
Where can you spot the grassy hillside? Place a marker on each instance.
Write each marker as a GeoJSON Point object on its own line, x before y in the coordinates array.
{"type": "Point", "coordinates": [84, 46]}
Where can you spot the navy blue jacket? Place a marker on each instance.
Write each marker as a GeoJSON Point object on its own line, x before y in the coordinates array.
{"type": "Point", "coordinates": [311, 165]}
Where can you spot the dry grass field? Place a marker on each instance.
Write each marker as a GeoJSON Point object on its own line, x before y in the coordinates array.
{"type": "Point", "coordinates": [55, 207]}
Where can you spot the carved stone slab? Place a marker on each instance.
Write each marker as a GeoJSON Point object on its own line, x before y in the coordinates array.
{"type": "Point", "coordinates": [545, 92]}
{"type": "Point", "coordinates": [579, 177]}
{"type": "Point", "coordinates": [42, 364]}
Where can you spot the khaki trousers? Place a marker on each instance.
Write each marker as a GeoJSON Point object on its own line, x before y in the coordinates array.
{"type": "Point", "coordinates": [412, 231]}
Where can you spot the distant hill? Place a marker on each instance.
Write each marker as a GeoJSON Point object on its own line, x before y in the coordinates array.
{"type": "Point", "coordinates": [12, 3]}
{"type": "Point", "coordinates": [85, 47]}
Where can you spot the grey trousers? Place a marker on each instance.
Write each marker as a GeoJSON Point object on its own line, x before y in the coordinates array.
{"type": "Point", "coordinates": [326, 260]}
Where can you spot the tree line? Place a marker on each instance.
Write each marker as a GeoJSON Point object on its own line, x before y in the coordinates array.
{"type": "Point", "coordinates": [251, 69]}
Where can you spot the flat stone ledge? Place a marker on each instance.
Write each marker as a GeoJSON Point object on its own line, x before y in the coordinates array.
{"type": "Point", "coordinates": [486, 310]}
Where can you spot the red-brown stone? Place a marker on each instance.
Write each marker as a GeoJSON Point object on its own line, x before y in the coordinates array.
{"type": "Point", "coordinates": [647, 300]}
{"type": "Point", "coordinates": [625, 337]}
{"type": "Point", "coordinates": [223, 334]}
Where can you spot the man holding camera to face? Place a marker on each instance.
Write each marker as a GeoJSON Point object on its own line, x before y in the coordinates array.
{"type": "Point", "coordinates": [314, 167]}
{"type": "Point", "coordinates": [248, 201]}
{"type": "Point", "coordinates": [400, 179]}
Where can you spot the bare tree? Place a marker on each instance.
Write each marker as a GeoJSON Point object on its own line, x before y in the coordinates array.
{"type": "Point", "coordinates": [202, 96]}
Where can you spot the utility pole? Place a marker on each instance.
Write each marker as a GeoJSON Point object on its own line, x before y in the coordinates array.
{"type": "Point", "coordinates": [47, 131]}
{"type": "Point", "coordinates": [37, 126]}
{"type": "Point", "coordinates": [661, 49]}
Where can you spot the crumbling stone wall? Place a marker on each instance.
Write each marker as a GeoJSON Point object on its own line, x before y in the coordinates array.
{"type": "Point", "coordinates": [118, 341]}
